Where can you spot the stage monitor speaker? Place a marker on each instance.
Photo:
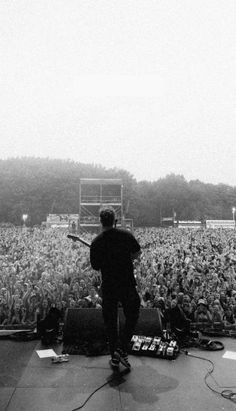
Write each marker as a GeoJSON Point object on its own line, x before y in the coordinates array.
{"type": "Point", "coordinates": [149, 322]}
{"type": "Point", "coordinates": [84, 324]}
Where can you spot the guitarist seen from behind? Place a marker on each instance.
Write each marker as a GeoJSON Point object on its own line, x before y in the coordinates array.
{"type": "Point", "coordinates": [113, 252]}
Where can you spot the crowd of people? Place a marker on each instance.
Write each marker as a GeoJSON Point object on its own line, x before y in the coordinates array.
{"type": "Point", "coordinates": [194, 270]}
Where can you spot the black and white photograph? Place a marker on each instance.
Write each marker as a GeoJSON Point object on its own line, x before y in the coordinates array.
{"type": "Point", "coordinates": [117, 205]}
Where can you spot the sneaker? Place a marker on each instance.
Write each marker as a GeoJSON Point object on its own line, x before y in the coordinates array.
{"type": "Point", "coordinates": [115, 360]}
{"type": "Point", "coordinates": [124, 358]}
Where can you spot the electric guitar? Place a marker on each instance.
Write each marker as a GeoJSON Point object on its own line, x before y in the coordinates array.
{"type": "Point", "coordinates": [75, 237]}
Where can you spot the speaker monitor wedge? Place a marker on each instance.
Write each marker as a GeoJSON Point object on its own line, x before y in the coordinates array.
{"type": "Point", "coordinates": [83, 324]}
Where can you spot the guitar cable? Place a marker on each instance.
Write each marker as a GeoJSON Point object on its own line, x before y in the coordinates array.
{"type": "Point", "coordinates": [118, 377]}
{"type": "Point", "coordinates": [227, 392]}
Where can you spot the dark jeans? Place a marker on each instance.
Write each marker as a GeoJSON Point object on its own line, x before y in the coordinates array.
{"type": "Point", "coordinates": [130, 301]}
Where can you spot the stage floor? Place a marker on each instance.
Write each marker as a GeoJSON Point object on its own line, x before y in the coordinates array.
{"type": "Point", "coordinates": [29, 383]}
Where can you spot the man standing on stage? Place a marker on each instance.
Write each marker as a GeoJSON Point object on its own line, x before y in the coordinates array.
{"type": "Point", "coordinates": [112, 252]}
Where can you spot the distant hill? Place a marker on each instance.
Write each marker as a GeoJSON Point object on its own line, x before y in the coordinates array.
{"type": "Point", "coordinates": [39, 186]}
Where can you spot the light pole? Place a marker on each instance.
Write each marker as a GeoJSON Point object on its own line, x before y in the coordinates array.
{"type": "Point", "coordinates": [233, 211]}
{"type": "Point", "coordinates": [24, 218]}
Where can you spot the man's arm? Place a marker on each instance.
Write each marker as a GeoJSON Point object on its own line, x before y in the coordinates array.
{"type": "Point", "coordinates": [95, 257]}
{"type": "Point", "coordinates": [135, 250]}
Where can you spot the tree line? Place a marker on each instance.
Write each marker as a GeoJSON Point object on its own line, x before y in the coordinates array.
{"type": "Point", "coordinates": [39, 186]}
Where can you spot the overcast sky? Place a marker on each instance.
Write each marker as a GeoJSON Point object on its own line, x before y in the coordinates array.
{"type": "Point", "coordinates": [148, 86]}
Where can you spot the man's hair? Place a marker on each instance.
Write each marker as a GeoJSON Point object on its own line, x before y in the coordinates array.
{"type": "Point", "coordinates": [107, 216]}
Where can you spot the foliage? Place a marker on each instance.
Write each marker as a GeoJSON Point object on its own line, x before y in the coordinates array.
{"type": "Point", "coordinates": [37, 187]}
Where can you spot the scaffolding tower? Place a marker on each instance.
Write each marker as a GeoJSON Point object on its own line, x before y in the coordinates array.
{"type": "Point", "coordinates": [95, 193]}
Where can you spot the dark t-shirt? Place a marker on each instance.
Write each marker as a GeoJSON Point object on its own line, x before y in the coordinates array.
{"type": "Point", "coordinates": [110, 252]}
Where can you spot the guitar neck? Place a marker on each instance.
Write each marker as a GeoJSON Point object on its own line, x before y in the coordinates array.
{"type": "Point", "coordinates": [75, 237]}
